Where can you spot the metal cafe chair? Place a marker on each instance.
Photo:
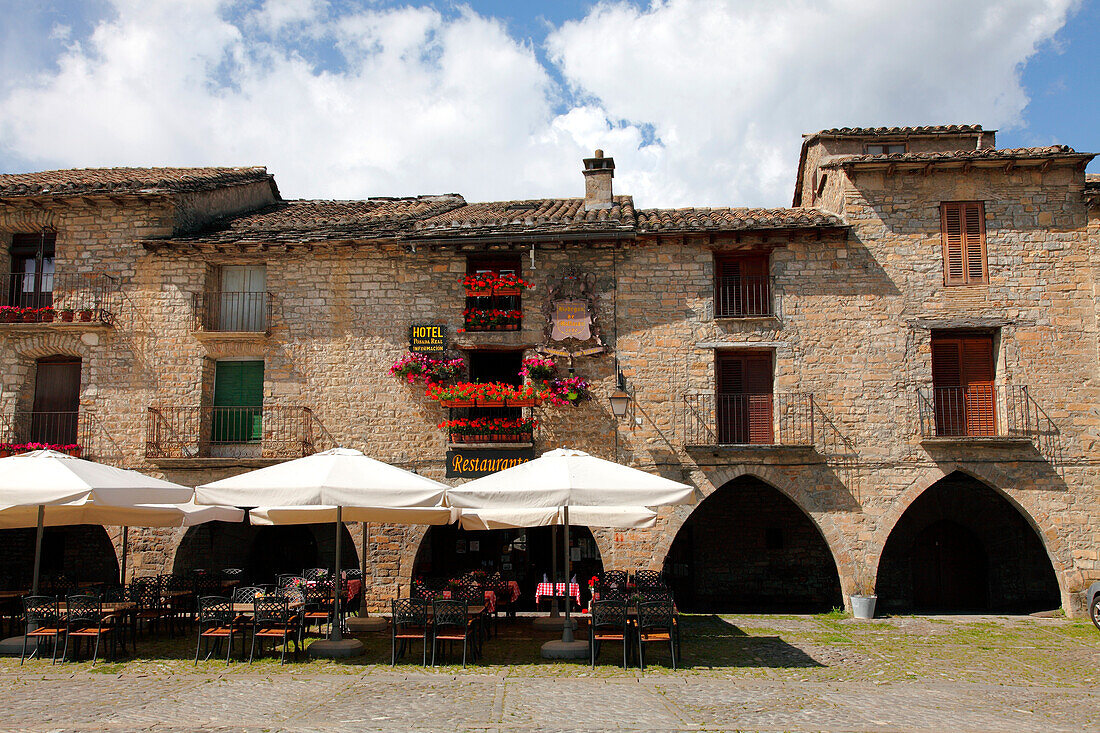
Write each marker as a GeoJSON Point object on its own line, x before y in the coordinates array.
{"type": "Point", "coordinates": [86, 620]}
{"type": "Point", "coordinates": [315, 573]}
{"type": "Point", "coordinates": [318, 606]}
{"type": "Point", "coordinates": [410, 623]}
{"type": "Point", "coordinates": [273, 619]}
{"type": "Point", "coordinates": [656, 624]}
{"type": "Point", "coordinates": [42, 616]}
{"type": "Point", "coordinates": [216, 622]}
{"type": "Point", "coordinates": [608, 623]}
{"type": "Point", "coordinates": [649, 579]}
{"type": "Point", "coordinates": [451, 622]}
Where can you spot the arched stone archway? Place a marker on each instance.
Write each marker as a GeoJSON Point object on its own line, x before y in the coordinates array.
{"type": "Point", "coordinates": [80, 553]}
{"type": "Point", "coordinates": [263, 551]}
{"type": "Point", "coordinates": [750, 547]}
{"type": "Point", "coordinates": [523, 555]}
{"type": "Point", "coordinates": [961, 546]}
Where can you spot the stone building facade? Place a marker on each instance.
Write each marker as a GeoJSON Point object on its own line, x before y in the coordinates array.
{"type": "Point", "coordinates": [794, 364]}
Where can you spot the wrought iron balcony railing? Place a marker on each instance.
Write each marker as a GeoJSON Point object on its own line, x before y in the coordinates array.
{"type": "Point", "coordinates": [77, 433]}
{"type": "Point", "coordinates": [978, 411]}
{"type": "Point", "coordinates": [233, 311]}
{"type": "Point", "coordinates": [743, 297]}
{"type": "Point", "coordinates": [62, 297]}
{"type": "Point", "coordinates": [232, 432]}
{"type": "Point", "coordinates": [749, 419]}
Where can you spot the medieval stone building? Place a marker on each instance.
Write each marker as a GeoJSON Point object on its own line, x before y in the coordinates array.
{"type": "Point", "coordinates": [894, 381]}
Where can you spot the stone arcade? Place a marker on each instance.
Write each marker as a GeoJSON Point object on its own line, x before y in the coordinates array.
{"type": "Point", "coordinates": [895, 379]}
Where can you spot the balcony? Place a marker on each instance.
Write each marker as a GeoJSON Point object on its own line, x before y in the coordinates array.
{"type": "Point", "coordinates": [57, 298]}
{"type": "Point", "coordinates": [744, 297]}
{"type": "Point", "coordinates": [189, 436]}
{"type": "Point", "coordinates": [76, 433]}
{"type": "Point", "coordinates": [747, 420]}
{"type": "Point", "coordinates": [978, 413]}
{"type": "Point", "coordinates": [222, 312]}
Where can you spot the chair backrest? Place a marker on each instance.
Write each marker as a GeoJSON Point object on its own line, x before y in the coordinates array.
{"type": "Point", "coordinates": [654, 615]}
{"type": "Point", "coordinates": [215, 610]}
{"type": "Point", "coordinates": [41, 609]}
{"type": "Point", "coordinates": [409, 611]}
{"type": "Point", "coordinates": [175, 582]}
{"type": "Point", "coordinates": [353, 574]}
{"type": "Point", "coordinates": [316, 573]}
{"type": "Point", "coordinates": [609, 614]}
{"type": "Point", "coordinates": [84, 609]}
{"type": "Point", "coordinates": [653, 593]}
{"type": "Point", "coordinates": [471, 593]}
{"type": "Point", "coordinates": [284, 579]}
{"type": "Point", "coordinates": [247, 594]}
{"type": "Point", "coordinates": [207, 585]}
{"type": "Point", "coordinates": [232, 573]}
{"type": "Point", "coordinates": [449, 612]}
{"type": "Point", "coordinates": [318, 591]}
{"type": "Point", "coordinates": [271, 609]}
{"type": "Point", "coordinates": [145, 592]}
{"type": "Point", "coordinates": [649, 579]}
{"type": "Point", "coordinates": [612, 577]}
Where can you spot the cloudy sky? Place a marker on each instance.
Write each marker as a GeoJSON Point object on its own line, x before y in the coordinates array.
{"type": "Point", "coordinates": [701, 102]}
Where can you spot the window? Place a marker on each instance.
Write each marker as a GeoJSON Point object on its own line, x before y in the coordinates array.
{"type": "Point", "coordinates": [32, 270]}
{"type": "Point", "coordinates": [742, 287]}
{"type": "Point", "coordinates": [744, 397]}
{"type": "Point", "coordinates": [963, 368]}
{"type": "Point", "coordinates": [493, 312]}
{"type": "Point", "coordinates": [962, 226]}
{"type": "Point", "coordinates": [56, 401]}
{"type": "Point", "coordinates": [238, 402]}
{"type": "Point", "coordinates": [495, 366]}
{"type": "Point", "coordinates": [884, 148]}
{"type": "Point", "coordinates": [242, 298]}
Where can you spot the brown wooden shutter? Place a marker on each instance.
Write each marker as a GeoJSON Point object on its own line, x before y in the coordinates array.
{"type": "Point", "coordinates": [962, 226]}
{"type": "Point", "coordinates": [758, 388]}
{"type": "Point", "coordinates": [744, 398]}
{"type": "Point", "coordinates": [741, 286]}
{"type": "Point", "coordinates": [963, 380]}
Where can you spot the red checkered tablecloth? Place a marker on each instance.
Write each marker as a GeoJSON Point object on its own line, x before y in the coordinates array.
{"type": "Point", "coordinates": [544, 589]}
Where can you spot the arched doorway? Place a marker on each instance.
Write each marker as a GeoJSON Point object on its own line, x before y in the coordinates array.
{"type": "Point", "coordinates": [263, 552]}
{"type": "Point", "coordinates": [749, 548]}
{"type": "Point", "coordinates": [523, 555]}
{"type": "Point", "coordinates": [962, 547]}
{"type": "Point", "coordinates": [80, 553]}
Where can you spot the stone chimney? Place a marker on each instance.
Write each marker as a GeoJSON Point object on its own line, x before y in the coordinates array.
{"type": "Point", "coordinates": [598, 172]}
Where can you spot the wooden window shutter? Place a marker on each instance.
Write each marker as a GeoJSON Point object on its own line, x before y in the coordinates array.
{"type": "Point", "coordinates": [962, 227]}
{"type": "Point", "coordinates": [963, 373]}
{"type": "Point", "coordinates": [758, 388]}
{"type": "Point", "coordinates": [977, 374]}
{"type": "Point", "coordinates": [741, 286]}
{"type": "Point", "coordinates": [238, 401]}
{"type": "Point", "coordinates": [744, 398]}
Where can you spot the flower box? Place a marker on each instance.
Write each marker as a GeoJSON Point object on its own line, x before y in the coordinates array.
{"type": "Point", "coordinates": [86, 315]}
{"type": "Point", "coordinates": [10, 317]}
{"type": "Point", "coordinates": [478, 292]}
{"type": "Point", "coordinates": [30, 317]}
{"type": "Point", "coordinates": [522, 402]}
{"type": "Point", "coordinates": [47, 315]}
{"type": "Point", "coordinates": [501, 291]}
{"type": "Point", "coordinates": [490, 402]}
{"type": "Point", "coordinates": [457, 403]}
{"type": "Point", "coordinates": [67, 316]}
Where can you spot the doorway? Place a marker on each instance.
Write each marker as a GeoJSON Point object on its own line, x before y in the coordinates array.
{"type": "Point", "coordinates": [56, 401]}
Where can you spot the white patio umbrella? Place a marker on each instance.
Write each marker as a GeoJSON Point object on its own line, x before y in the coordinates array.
{"type": "Point", "coordinates": [31, 482]}
{"type": "Point", "coordinates": [335, 485]}
{"type": "Point", "coordinates": [564, 479]}
{"type": "Point", "coordinates": [619, 517]}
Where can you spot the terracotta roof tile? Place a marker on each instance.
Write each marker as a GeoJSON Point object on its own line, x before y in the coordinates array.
{"type": "Point", "coordinates": [895, 131]}
{"type": "Point", "coordinates": [318, 221]}
{"type": "Point", "coordinates": [535, 216]}
{"type": "Point", "coordinates": [666, 220]}
{"type": "Point", "coordinates": [1051, 152]}
{"type": "Point", "coordinates": [121, 181]}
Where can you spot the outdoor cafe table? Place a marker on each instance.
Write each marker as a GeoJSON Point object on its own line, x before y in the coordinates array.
{"type": "Point", "coordinates": [545, 590]}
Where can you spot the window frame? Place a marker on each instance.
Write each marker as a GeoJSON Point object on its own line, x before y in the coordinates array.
{"type": "Point", "coordinates": [885, 148]}
{"type": "Point", "coordinates": [968, 250]}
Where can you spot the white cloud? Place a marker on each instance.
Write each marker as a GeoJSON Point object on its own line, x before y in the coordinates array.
{"type": "Point", "coordinates": [729, 86]}
{"type": "Point", "coordinates": [407, 100]}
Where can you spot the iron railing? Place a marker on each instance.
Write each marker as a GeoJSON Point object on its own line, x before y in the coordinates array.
{"type": "Point", "coordinates": [70, 431]}
{"type": "Point", "coordinates": [44, 297]}
{"type": "Point", "coordinates": [978, 411]}
{"type": "Point", "coordinates": [743, 296]}
{"type": "Point", "coordinates": [785, 418]}
{"type": "Point", "coordinates": [231, 432]}
{"type": "Point", "coordinates": [232, 311]}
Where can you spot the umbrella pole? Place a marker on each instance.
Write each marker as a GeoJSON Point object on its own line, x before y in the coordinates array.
{"type": "Point", "coordinates": [335, 634]}
{"type": "Point", "coordinates": [125, 552]}
{"type": "Point", "coordinates": [38, 548]}
{"type": "Point", "coordinates": [363, 569]}
{"type": "Point", "coordinates": [567, 629]}
{"type": "Point", "coordinates": [554, 571]}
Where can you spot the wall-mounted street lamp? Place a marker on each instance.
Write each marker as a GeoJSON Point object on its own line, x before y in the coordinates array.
{"type": "Point", "coordinates": [620, 399]}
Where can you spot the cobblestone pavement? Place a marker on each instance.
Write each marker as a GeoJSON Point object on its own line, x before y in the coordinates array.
{"type": "Point", "coordinates": [742, 673]}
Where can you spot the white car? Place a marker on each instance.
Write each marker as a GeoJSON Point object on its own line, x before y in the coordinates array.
{"type": "Point", "coordinates": [1094, 603]}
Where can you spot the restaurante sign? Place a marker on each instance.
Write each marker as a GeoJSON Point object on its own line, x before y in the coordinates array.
{"type": "Point", "coordinates": [571, 320]}
{"type": "Point", "coordinates": [476, 463]}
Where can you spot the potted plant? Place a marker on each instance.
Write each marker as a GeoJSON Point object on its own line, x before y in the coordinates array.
{"type": "Point", "coordinates": [67, 314]}
{"type": "Point", "coordinates": [479, 285]}
{"type": "Point", "coordinates": [46, 315]}
{"type": "Point", "coordinates": [511, 320]}
{"type": "Point", "coordinates": [864, 598]}
{"type": "Point", "coordinates": [526, 396]}
{"type": "Point", "coordinates": [569, 390]}
{"type": "Point", "coordinates": [463, 394]}
{"type": "Point", "coordinates": [493, 394]}
{"type": "Point", "coordinates": [509, 284]}
{"type": "Point", "coordinates": [537, 368]}
{"type": "Point", "coordinates": [8, 314]}
{"type": "Point", "coordinates": [85, 315]}
{"type": "Point", "coordinates": [30, 315]}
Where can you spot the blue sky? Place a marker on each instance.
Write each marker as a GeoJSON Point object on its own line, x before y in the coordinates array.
{"type": "Point", "coordinates": [702, 102]}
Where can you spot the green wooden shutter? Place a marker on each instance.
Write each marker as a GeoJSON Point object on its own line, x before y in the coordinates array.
{"type": "Point", "coordinates": [238, 401]}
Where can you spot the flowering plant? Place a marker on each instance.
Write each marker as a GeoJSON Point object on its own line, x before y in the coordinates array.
{"type": "Point", "coordinates": [467, 391]}
{"type": "Point", "coordinates": [535, 367]}
{"type": "Point", "coordinates": [498, 426]}
{"type": "Point", "coordinates": [510, 281]}
{"type": "Point", "coordinates": [569, 390]}
{"type": "Point", "coordinates": [593, 580]}
{"type": "Point", "coordinates": [479, 283]}
{"type": "Point", "coordinates": [8, 449]}
{"type": "Point", "coordinates": [477, 318]}
{"type": "Point", "coordinates": [413, 368]}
